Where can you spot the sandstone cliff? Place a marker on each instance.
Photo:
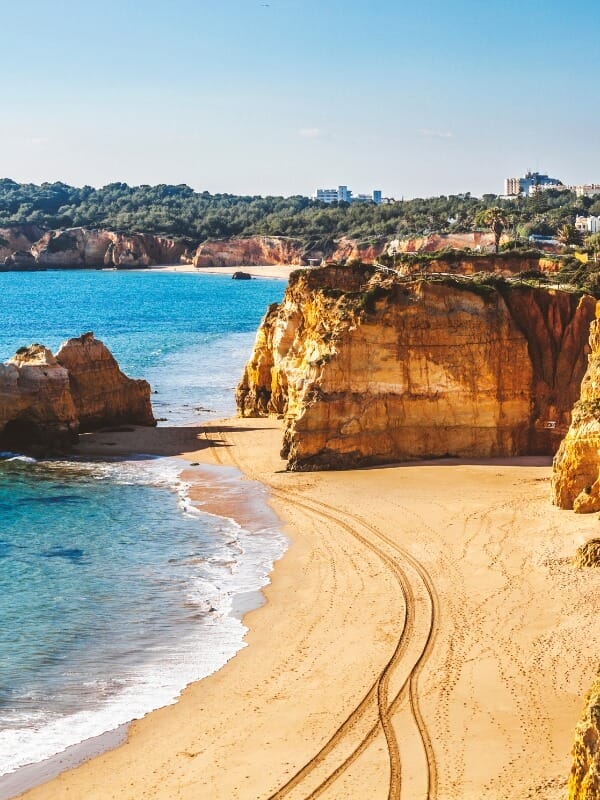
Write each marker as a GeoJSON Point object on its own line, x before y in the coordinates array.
{"type": "Point", "coordinates": [255, 251]}
{"type": "Point", "coordinates": [46, 400]}
{"type": "Point", "coordinates": [505, 264]}
{"type": "Point", "coordinates": [575, 479]}
{"type": "Point", "coordinates": [77, 248]}
{"type": "Point", "coordinates": [36, 406]}
{"type": "Point", "coordinates": [369, 368]}
{"type": "Point", "coordinates": [102, 394]}
{"type": "Point", "coordinates": [584, 781]}
{"type": "Point", "coordinates": [17, 238]}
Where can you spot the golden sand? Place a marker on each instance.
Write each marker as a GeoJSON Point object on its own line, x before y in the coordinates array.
{"type": "Point", "coordinates": [425, 636]}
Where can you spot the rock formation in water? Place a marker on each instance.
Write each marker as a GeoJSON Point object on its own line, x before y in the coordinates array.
{"type": "Point", "coordinates": [102, 394]}
{"type": "Point", "coordinates": [77, 248]}
{"type": "Point", "coordinates": [368, 368]}
{"type": "Point", "coordinates": [576, 473]}
{"type": "Point", "coordinates": [36, 405]}
{"type": "Point", "coordinates": [46, 400]}
{"type": "Point", "coordinates": [584, 781]}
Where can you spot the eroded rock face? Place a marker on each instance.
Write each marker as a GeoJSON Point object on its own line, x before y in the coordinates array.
{"type": "Point", "coordinates": [46, 400]}
{"type": "Point", "coordinates": [576, 470]}
{"type": "Point", "coordinates": [584, 781]}
{"type": "Point", "coordinates": [370, 369]}
{"type": "Point", "coordinates": [17, 239]}
{"type": "Point", "coordinates": [36, 406]}
{"type": "Point", "coordinates": [78, 248]}
{"type": "Point", "coordinates": [102, 394]}
{"type": "Point", "coordinates": [254, 251]}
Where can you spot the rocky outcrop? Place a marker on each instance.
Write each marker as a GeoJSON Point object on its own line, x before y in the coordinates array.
{"type": "Point", "coordinates": [430, 243]}
{"type": "Point", "coordinates": [588, 555]}
{"type": "Point", "coordinates": [17, 239]}
{"type": "Point", "coordinates": [369, 368]}
{"type": "Point", "coordinates": [584, 781]}
{"type": "Point", "coordinates": [102, 394]}
{"type": "Point", "coordinates": [77, 248]}
{"type": "Point", "coordinates": [576, 469]}
{"type": "Point", "coordinates": [45, 400]}
{"type": "Point", "coordinates": [36, 405]}
{"type": "Point", "coordinates": [255, 251]}
{"type": "Point", "coordinates": [457, 263]}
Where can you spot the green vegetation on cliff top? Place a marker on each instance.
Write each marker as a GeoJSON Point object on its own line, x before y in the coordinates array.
{"type": "Point", "coordinates": [179, 211]}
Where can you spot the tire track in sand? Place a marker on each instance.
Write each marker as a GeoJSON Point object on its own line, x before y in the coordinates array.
{"type": "Point", "coordinates": [378, 694]}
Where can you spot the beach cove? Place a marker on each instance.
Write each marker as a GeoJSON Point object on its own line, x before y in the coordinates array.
{"type": "Point", "coordinates": [425, 634]}
{"type": "Point", "coordinates": [118, 589]}
{"type": "Point", "coordinates": [408, 646]}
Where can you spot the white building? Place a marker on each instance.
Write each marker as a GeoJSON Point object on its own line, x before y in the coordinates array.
{"type": "Point", "coordinates": [344, 195]}
{"type": "Point", "coordinates": [340, 195]}
{"type": "Point", "coordinates": [529, 184]}
{"type": "Point", "coordinates": [587, 189]}
{"type": "Point", "coordinates": [587, 224]}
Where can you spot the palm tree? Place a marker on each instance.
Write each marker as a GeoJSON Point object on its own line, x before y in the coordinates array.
{"type": "Point", "coordinates": [495, 219]}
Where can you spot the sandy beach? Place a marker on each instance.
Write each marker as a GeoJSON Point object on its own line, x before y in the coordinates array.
{"type": "Point", "coordinates": [425, 636]}
{"type": "Point", "coordinates": [280, 271]}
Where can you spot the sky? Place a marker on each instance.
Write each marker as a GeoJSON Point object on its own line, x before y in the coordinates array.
{"type": "Point", "coordinates": [280, 97]}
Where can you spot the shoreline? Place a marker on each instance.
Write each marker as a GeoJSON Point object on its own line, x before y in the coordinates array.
{"type": "Point", "coordinates": [483, 558]}
{"type": "Point", "coordinates": [205, 493]}
{"type": "Point", "coordinates": [274, 271]}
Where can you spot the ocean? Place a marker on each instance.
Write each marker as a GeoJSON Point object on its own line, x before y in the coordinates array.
{"type": "Point", "coordinates": [115, 590]}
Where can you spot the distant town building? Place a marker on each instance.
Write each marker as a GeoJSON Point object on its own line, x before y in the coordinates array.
{"type": "Point", "coordinates": [344, 195]}
{"type": "Point", "coordinates": [587, 189]}
{"type": "Point", "coordinates": [531, 183]}
{"type": "Point", "coordinates": [587, 224]}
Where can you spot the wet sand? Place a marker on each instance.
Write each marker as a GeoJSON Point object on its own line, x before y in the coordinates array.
{"type": "Point", "coordinates": [424, 636]}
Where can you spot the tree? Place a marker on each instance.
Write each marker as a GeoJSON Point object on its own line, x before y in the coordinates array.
{"type": "Point", "coordinates": [568, 234]}
{"type": "Point", "coordinates": [495, 219]}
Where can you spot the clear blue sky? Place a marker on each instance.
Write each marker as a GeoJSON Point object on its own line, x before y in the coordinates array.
{"type": "Point", "coordinates": [282, 96]}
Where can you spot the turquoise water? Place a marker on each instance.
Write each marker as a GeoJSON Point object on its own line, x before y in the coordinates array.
{"type": "Point", "coordinates": [188, 334]}
{"type": "Point", "coordinates": [114, 590]}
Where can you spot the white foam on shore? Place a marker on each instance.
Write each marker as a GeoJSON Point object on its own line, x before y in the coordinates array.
{"type": "Point", "coordinates": [238, 565]}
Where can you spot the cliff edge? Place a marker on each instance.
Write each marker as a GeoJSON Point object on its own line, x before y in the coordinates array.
{"type": "Point", "coordinates": [584, 780]}
{"type": "Point", "coordinates": [576, 468]}
{"type": "Point", "coordinates": [367, 367]}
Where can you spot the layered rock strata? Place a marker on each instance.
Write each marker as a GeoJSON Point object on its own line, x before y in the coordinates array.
{"type": "Point", "coordinates": [369, 368]}
{"type": "Point", "coordinates": [77, 248]}
{"type": "Point", "coordinates": [584, 780]}
{"type": "Point", "coordinates": [576, 469]}
{"type": "Point", "coordinates": [101, 393]}
{"type": "Point", "coordinates": [254, 251]}
{"type": "Point", "coordinates": [46, 400]}
{"type": "Point", "coordinates": [36, 405]}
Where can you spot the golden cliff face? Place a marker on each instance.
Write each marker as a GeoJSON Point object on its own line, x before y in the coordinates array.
{"type": "Point", "coordinates": [102, 394]}
{"type": "Point", "coordinates": [367, 368]}
{"type": "Point", "coordinates": [77, 248]}
{"type": "Point", "coordinates": [584, 781]}
{"type": "Point", "coordinates": [575, 479]}
{"type": "Point", "coordinates": [254, 251]}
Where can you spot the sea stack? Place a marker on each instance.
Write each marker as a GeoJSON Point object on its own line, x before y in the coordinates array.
{"type": "Point", "coordinates": [46, 400]}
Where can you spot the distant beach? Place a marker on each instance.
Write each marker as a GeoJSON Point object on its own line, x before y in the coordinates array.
{"type": "Point", "coordinates": [279, 271]}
